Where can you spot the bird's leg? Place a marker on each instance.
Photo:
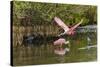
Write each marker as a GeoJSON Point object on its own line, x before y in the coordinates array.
{"type": "Point", "coordinates": [68, 43]}
{"type": "Point", "coordinates": [62, 34]}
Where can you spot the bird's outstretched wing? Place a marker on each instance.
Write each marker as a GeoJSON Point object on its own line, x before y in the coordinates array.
{"type": "Point", "coordinates": [75, 26]}
{"type": "Point", "coordinates": [61, 23]}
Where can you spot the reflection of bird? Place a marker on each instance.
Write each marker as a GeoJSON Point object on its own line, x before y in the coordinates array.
{"type": "Point", "coordinates": [67, 30]}
{"type": "Point", "coordinates": [60, 41]}
{"type": "Point", "coordinates": [62, 51]}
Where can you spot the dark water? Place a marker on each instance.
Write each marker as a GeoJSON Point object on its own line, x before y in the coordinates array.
{"type": "Point", "coordinates": [44, 53]}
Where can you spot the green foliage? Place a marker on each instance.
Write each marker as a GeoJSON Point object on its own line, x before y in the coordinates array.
{"type": "Point", "coordinates": [30, 13]}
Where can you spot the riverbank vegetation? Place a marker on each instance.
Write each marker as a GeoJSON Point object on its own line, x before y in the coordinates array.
{"type": "Point", "coordinates": [35, 13]}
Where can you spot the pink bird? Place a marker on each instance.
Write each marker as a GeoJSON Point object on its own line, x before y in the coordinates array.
{"type": "Point", "coordinates": [67, 30]}
{"type": "Point", "coordinates": [60, 41]}
{"type": "Point", "coordinates": [61, 52]}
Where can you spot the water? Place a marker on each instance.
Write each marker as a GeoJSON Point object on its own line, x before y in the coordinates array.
{"type": "Point", "coordinates": [87, 28]}
{"type": "Point", "coordinates": [44, 52]}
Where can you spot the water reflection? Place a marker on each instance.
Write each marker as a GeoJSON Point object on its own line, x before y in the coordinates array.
{"type": "Point", "coordinates": [59, 46]}
{"type": "Point", "coordinates": [44, 50]}
{"type": "Point", "coordinates": [61, 51]}
{"type": "Point", "coordinates": [90, 43]}
{"type": "Point", "coordinates": [88, 47]}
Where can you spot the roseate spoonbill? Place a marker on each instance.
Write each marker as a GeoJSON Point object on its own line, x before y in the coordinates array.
{"type": "Point", "coordinates": [67, 30]}
{"type": "Point", "coordinates": [60, 41]}
{"type": "Point", "coordinates": [61, 52]}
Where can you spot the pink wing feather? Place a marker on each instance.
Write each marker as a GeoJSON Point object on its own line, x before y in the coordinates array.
{"type": "Point", "coordinates": [61, 23]}
{"type": "Point", "coordinates": [74, 27]}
